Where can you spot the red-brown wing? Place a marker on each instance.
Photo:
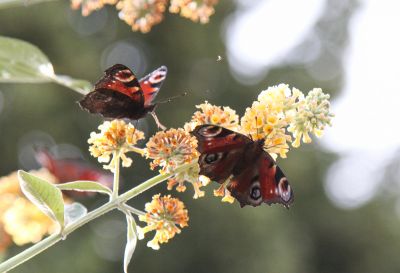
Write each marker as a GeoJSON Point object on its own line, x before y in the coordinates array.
{"type": "Point", "coordinates": [120, 78]}
{"type": "Point", "coordinates": [221, 150]}
{"type": "Point", "coordinates": [261, 182]}
{"type": "Point", "coordinates": [255, 176]}
{"type": "Point", "coordinates": [68, 170]}
{"type": "Point", "coordinates": [151, 84]}
{"type": "Point", "coordinates": [117, 95]}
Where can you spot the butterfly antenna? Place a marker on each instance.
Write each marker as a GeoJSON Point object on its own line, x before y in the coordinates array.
{"type": "Point", "coordinates": [172, 98]}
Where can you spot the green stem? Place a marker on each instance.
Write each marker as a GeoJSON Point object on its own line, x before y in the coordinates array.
{"type": "Point", "coordinates": [112, 204]}
{"type": "Point", "coordinates": [116, 158]}
{"type": "Point", "coordinates": [133, 210]}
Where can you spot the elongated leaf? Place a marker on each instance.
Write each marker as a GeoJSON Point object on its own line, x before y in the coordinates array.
{"type": "Point", "coordinates": [131, 240]}
{"type": "Point", "coordinates": [90, 186]}
{"type": "Point", "coordinates": [44, 195]}
{"type": "Point", "coordinates": [16, 3]}
{"type": "Point", "coordinates": [74, 212]}
{"type": "Point", "coordinates": [23, 62]}
{"type": "Point", "coordinates": [80, 86]}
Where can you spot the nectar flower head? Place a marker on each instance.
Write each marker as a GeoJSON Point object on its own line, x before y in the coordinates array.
{"type": "Point", "coordinates": [164, 215]}
{"type": "Point", "coordinates": [191, 176]}
{"type": "Point", "coordinates": [115, 137]}
{"type": "Point", "coordinates": [19, 218]}
{"type": "Point", "coordinates": [312, 116]}
{"type": "Point", "coordinates": [195, 10]}
{"type": "Point", "coordinates": [88, 6]}
{"type": "Point", "coordinates": [269, 116]}
{"type": "Point", "coordinates": [171, 148]}
{"type": "Point", "coordinates": [211, 114]}
{"type": "Point", "coordinates": [142, 15]}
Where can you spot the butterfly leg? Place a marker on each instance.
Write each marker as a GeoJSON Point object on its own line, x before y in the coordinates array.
{"type": "Point", "coordinates": [159, 125]}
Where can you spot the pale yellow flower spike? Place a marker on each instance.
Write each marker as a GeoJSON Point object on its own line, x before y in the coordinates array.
{"type": "Point", "coordinates": [115, 136]}
{"type": "Point", "coordinates": [195, 10]}
{"type": "Point", "coordinates": [142, 15]}
{"type": "Point", "coordinates": [164, 215]}
{"type": "Point", "coordinates": [88, 6]}
{"type": "Point", "coordinates": [212, 114]}
{"type": "Point", "coordinates": [313, 114]}
{"type": "Point", "coordinates": [171, 148]}
{"type": "Point", "coordinates": [279, 111]}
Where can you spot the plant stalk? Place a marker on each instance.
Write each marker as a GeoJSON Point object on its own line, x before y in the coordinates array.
{"type": "Point", "coordinates": [112, 204]}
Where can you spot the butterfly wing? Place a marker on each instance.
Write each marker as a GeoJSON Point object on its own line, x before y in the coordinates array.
{"type": "Point", "coordinates": [261, 182]}
{"type": "Point", "coordinates": [121, 79]}
{"type": "Point", "coordinates": [220, 149]}
{"type": "Point", "coordinates": [151, 84]}
{"type": "Point", "coordinates": [255, 178]}
{"type": "Point", "coordinates": [117, 95]}
{"type": "Point", "coordinates": [68, 170]}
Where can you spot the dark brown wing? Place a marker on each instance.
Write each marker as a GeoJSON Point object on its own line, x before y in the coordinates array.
{"type": "Point", "coordinates": [255, 178]}
{"type": "Point", "coordinates": [265, 182]}
{"type": "Point", "coordinates": [117, 95]}
{"type": "Point", "coordinates": [221, 150]}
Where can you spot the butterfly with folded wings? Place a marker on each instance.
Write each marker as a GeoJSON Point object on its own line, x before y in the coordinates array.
{"type": "Point", "coordinates": [119, 94]}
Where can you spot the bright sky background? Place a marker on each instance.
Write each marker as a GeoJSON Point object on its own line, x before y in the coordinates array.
{"type": "Point", "coordinates": [365, 130]}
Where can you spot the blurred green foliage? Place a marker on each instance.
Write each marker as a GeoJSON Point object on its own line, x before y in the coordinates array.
{"type": "Point", "coordinates": [313, 236]}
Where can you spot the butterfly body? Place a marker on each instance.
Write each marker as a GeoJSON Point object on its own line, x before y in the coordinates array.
{"type": "Point", "coordinates": [254, 176]}
{"type": "Point", "coordinates": [119, 94]}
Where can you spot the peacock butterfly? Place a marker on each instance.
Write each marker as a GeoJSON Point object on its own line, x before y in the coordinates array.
{"type": "Point", "coordinates": [254, 176]}
{"type": "Point", "coordinates": [68, 170]}
{"type": "Point", "coordinates": [119, 94]}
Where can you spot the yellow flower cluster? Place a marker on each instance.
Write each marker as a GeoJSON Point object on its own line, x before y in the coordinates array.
{"type": "Point", "coordinates": [90, 5]}
{"type": "Point", "coordinates": [164, 215]}
{"type": "Point", "coordinates": [312, 116]}
{"type": "Point", "coordinates": [211, 114]}
{"type": "Point", "coordinates": [191, 176]}
{"type": "Point", "coordinates": [269, 116]}
{"type": "Point", "coordinates": [195, 10]}
{"type": "Point", "coordinates": [116, 137]}
{"type": "Point", "coordinates": [19, 218]}
{"type": "Point", "coordinates": [171, 149]}
{"type": "Point", "coordinates": [279, 111]}
{"type": "Point", "coordinates": [142, 15]}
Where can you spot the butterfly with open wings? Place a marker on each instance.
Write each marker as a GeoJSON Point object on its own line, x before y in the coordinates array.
{"type": "Point", "coordinates": [254, 176]}
{"type": "Point", "coordinates": [119, 94]}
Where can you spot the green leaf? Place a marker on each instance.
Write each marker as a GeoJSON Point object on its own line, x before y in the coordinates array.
{"type": "Point", "coordinates": [44, 195]}
{"type": "Point", "coordinates": [74, 212]}
{"type": "Point", "coordinates": [23, 62]}
{"type": "Point", "coordinates": [131, 240]}
{"type": "Point", "coordinates": [90, 186]}
{"type": "Point", "coordinates": [16, 3]}
{"type": "Point", "coordinates": [80, 86]}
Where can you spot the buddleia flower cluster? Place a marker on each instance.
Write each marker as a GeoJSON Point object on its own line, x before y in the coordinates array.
{"type": "Point", "coordinates": [142, 15]}
{"type": "Point", "coordinates": [116, 138]}
{"type": "Point", "coordinates": [281, 116]}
